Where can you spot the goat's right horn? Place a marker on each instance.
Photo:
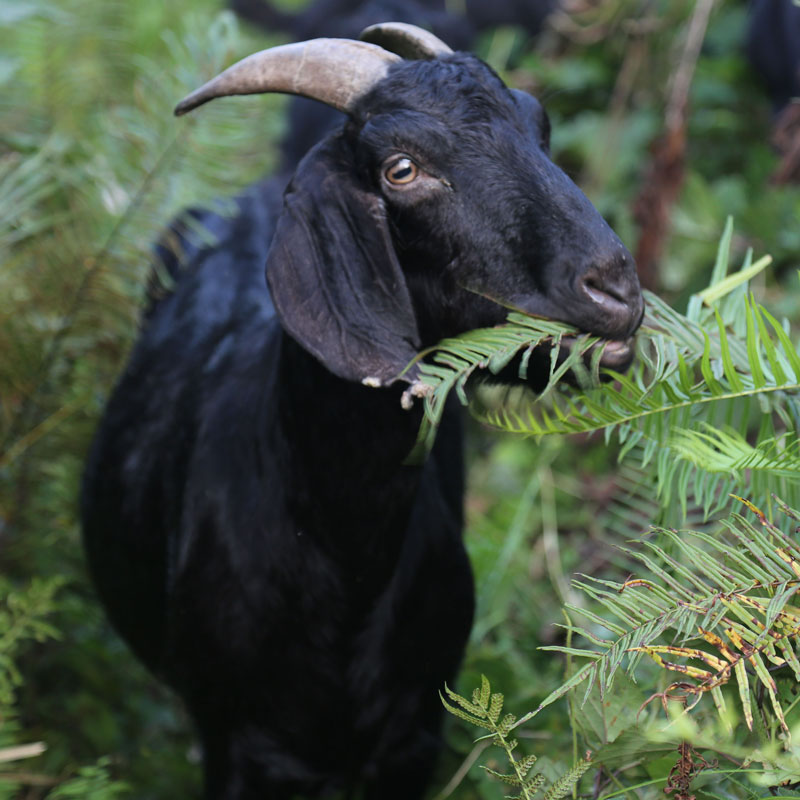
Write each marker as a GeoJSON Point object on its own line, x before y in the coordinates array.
{"type": "Point", "coordinates": [334, 71]}
{"type": "Point", "coordinates": [408, 41]}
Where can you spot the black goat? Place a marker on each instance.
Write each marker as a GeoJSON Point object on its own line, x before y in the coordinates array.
{"type": "Point", "coordinates": [249, 519]}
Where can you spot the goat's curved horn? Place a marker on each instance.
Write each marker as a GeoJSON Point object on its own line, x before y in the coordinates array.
{"type": "Point", "coordinates": [335, 71]}
{"type": "Point", "coordinates": [407, 41]}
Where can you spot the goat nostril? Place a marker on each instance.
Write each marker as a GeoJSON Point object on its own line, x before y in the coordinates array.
{"type": "Point", "coordinates": [613, 304]}
{"type": "Point", "coordinates": [603, 294]}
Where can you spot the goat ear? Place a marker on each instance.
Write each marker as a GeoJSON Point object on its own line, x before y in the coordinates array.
{"type": "Point", "coordinates": [333, 272]}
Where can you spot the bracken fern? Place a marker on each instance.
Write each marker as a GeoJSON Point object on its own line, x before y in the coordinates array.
{"type": "Point", "coordinates": [484, 711]}
{"type": "Point", "coordinates": [724, 601]}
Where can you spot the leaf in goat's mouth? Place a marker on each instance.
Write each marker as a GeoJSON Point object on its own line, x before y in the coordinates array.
{"type": "Point", "coordinates": [594, 352]}
{"type": "Point", "coordinates": [574, 355]}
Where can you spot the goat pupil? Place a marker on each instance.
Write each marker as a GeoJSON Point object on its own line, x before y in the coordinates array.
{"type": "Point", "coordinates": [404, 171]}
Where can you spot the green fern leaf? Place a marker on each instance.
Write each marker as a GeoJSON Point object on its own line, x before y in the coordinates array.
{"type": "Point", "coordinates": [769, 684]}
{"type": "Point", "coordinates": [485, 693]}
{"type": "Point", "coordinates": [510, 779]}
{"type": "Point", "coordinates": [472, 708]}
{"type": "Point", "coordinates": [563, 786]}
{"type": "Point", "coordinates": [533, 784]}
{"type": "Point", "coordinates": [457, 712]}
{"type": "Point", "coordinates": [744, 692]}
{"type": "Point", "coordinates": [524, 765]}
{"type": "Point", "coordinates": [691, 379]}
{"type": "Point", "coordinates": [732, 592]}
{"type": "Point", "coordinates": [495, 707]}
{"type": "Point", "coordinates": [506, 724]}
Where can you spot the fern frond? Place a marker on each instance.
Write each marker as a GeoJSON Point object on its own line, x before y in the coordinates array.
{"type": "Point", "coordinates": [563, 786]}
{"type": "Point", "coordinates": [695, 368]}
{"type": "Point", "coordinates": [466, 716]}
{"type": "Point", "coordinates": [495, 707]}
{"type": "Point", "coordinates": [509, 778]}
{"type": "Point", "coordinates": [490, 705]}
{"type": "Point", "coordinates": [526, 764]}
{"type": "Point", "coordinates": [23, 617]}
{"type": "Point", "coordinates": [454, 361]}
{"type": "Point", "coordinates": [727, 599]}
{"type": "Point", "coordinates": [532, 785]}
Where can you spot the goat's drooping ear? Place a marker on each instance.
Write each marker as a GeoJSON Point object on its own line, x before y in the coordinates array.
{"type": "Point", "coordinates": [334, 276]}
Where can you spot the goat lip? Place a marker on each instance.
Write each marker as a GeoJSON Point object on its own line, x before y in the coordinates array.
{"type": "Point", "coordinates": [617, 354]}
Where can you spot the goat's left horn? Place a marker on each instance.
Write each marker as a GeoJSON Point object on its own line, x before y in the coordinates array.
{"type": "Point", "coordinates": [335, 71]}
{"type": "Point", "coordinates": [407, 41]}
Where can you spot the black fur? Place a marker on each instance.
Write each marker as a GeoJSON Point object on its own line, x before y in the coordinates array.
{"type": "Point", "coordinates": [773, 46]}
{"type": "Point", "coordinates": [249, 518]}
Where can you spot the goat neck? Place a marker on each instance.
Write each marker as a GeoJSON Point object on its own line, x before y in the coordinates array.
{"type": "Point", "coordinates": [364, 486]}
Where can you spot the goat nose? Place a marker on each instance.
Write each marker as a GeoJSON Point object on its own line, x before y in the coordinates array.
{"type": "Point", "coordinates": [611, 295]}
{"type": "Point", "coordinates": [615, 298]}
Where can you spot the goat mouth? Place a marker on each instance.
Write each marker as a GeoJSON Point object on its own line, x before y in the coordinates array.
{"type": "Point", "coordinates": [617, 354]}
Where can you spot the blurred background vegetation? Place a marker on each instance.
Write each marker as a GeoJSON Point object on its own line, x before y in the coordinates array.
{"type": "Point", "coordinates": [92, 167]}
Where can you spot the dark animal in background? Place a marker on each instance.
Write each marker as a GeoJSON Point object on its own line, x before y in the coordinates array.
{"type": "Point", "coordinates": [336, 17]}
{"type": "Point", "coordinates": [250, 520]}
{"type": "Point", "coordinates": [773, 47]}
{"type": "Point", "coordinates": [309, 121]}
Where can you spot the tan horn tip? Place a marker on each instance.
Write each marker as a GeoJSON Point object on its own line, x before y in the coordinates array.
{"type": "Point", "coordinates": [186, 105]}
{"type": "Point", "coordinates": [408, 41]}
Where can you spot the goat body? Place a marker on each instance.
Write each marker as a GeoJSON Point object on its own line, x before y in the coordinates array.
{"type": "Point", "coordinates": [272, 558]}
{"type": "Point", "coordinates": [249, 518]}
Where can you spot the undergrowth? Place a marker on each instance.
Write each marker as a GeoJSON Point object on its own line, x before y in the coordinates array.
{"type": "Point", "coordinates": [712, 407]}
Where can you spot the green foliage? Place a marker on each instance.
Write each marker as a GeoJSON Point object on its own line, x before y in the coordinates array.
{"type": "Point", "coordinates": [710, 407]}
{"type": "Point", "coordinates": [455, 361]}
{"type": "Point", "coordinates": [25, 619]}
{"type": "Point", "coordinates": [727, 600]}
{"type": "Point", "coordinates": [92, 168]}
{"type": "Point", "coordinates": [92, 783]}
{"type": "Point", "coordinates": [22, 619]}
{"type": "Point", "coordinates": [484, 711]}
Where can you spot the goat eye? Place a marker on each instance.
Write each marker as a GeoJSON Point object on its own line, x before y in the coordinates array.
{"type": "Point", "coordinates": [401, 172]}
